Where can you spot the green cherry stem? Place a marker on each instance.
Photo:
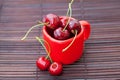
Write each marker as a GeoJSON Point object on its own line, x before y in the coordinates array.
{"type": "Point", "coordinates": [48, 52]}
{"type": "Point", "coordinates": [39, 22]}
{"type": "Point", "coordinates": [69, 8]}
{"type": "Point", "coordinates": [70, 14]}
{"type": "Point", "coordinates": [70, 43]}
{"type": "Point", "coordinates": [38, 25]}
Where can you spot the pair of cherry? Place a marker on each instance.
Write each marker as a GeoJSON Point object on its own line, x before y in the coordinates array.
{"type": "Point", "coordinates": [62, 27]}
{"type": "Point", "coordinates": [54, 68]}
{"type": "Point", "coordinates": [46, 63]}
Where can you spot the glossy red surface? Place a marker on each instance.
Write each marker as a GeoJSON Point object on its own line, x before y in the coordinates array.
{"type": "Point", "coordinates": [43, 63]}
{"type": "Point", "coordinates": [55, 68]}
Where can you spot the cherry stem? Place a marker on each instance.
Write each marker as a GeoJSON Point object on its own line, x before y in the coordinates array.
{"type": "Point", "coordinates": [47, 58]}
{"type": "Point", "coordinates": [38, 25]}
{"type": "Point", "coordinates": [70, 14]}
{"type": "Point", "coordinates": [71, 42]}
{"type": "Point", "coordinates": [69, 8]}
{"type": "Point", "coordinates": [48, 52]}
{"type": "Point", "coordinates": [39, 22]}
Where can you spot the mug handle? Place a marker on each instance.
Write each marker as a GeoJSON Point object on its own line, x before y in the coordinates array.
{"type": "Point", "coordinates": [86, 26]}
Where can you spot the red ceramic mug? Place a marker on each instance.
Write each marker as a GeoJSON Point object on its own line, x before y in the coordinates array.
{"type": "Point", "coordinates": [74, 52]}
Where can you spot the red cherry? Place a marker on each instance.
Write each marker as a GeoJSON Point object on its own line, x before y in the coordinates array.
{"type": "Point", "coordinates": [55, 68]}
{"type": "Point", "coordinates": [74, 25]}
{"type": "Point", "coordinates": [63, 21]}
{"type": "Point", "coordinates": [60, 34]}
{"type": "Point", "coordinates": [52, 21]}
{"type": "Point", "coordinates": [43, 63]}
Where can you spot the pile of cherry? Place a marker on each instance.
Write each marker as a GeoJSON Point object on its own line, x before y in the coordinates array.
{"type": "Point", "coordinates": [61, 28]}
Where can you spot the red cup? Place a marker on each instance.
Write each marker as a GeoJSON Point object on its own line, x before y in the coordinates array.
{"type": "Point", "coordinates": [74, 52]}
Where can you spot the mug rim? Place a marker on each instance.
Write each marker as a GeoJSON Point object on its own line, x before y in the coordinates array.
{"type": "Point", "coordinates": [55, 40]}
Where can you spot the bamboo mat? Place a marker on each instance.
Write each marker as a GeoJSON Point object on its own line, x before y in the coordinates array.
{"type": "Point", "coordinates": [101, 57]}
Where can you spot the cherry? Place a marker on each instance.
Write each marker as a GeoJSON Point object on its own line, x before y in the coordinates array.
{"type": "Point", "coordinates": [52, 21]}
{"type": "Point", "coordinates": [55, 68]}
{"type": "Point", "coordinates": [60, 34]}
{"type": "Point", "coordinates": [63, 21]}
{"type": "Point", "coordinates": [43, 63]}
{"type": "Point", "coordinates": [74, 25]}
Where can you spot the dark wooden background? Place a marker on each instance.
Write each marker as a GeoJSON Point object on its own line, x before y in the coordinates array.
{"type": "Point", "coordinates": [101, 59]}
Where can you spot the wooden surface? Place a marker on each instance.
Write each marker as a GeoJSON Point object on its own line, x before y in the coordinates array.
{"type": "Point", "coordinates": [101, 59]}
